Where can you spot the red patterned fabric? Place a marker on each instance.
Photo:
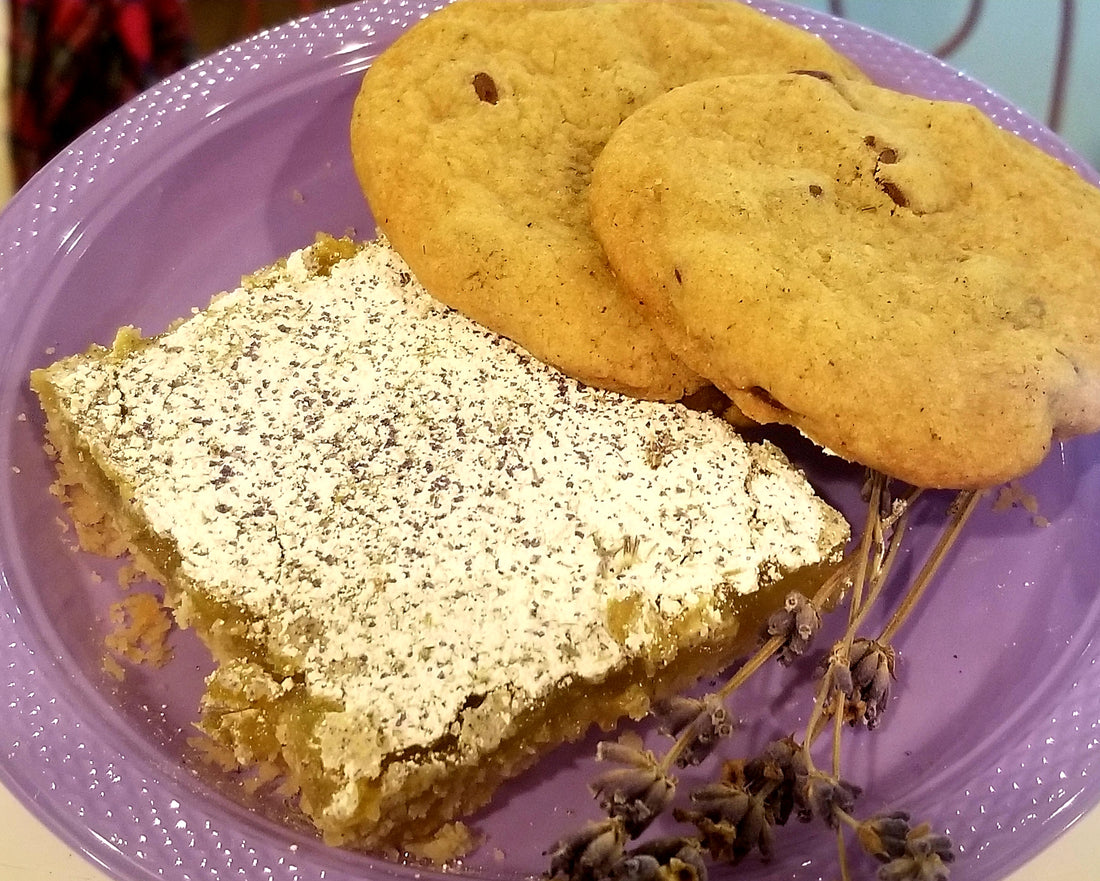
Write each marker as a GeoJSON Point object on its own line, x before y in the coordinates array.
{"type": "Point", "coordinates": [74, 61]}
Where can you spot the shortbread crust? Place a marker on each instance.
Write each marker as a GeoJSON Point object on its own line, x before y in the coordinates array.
{"type": "Point", "coordinates": [420, 557]}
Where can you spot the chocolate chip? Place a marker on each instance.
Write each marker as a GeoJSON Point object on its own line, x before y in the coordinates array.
{"type": "Point", "coordinates": [888, 156]}
{"type": "Point", "coordinates": [895, 192]}
{"type": "Point", "coordinates": [870, 141]}
{"type": "Point", "coordinates": [815, 190]}
{"type": "Point", "coordinates": [486, 88]}
{"type": "Point", "coordinates": [676, 272]}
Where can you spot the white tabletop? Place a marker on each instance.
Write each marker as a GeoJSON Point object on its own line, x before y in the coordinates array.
{"type": "Point", "coordinates": [30, 852]}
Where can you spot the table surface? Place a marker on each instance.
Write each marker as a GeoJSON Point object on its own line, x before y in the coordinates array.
{"type": "Point", "coordinates": [30, 852]}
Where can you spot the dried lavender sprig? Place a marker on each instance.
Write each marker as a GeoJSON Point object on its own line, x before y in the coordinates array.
{"type": "Point", "coordinates": [875, 489]}
{"type": "Point", "coordinates": [637, 791]}
{"type": "Point", "coordinates": [790, 632]}
{"type": "Point", "coordinates": [926, 858]}
{"type": "Point", "coordinates": [885, 553]}
{"type": "Point", "coordinates": [823, 795]}
{"type": "Point", "coordinates": [797, 623]}
{"type": "Point", "coordinates": [598, 852]}
{"type": "Point", "coordinates": [590, 853]}
{"type": "Point", "coordinates": [872, 667]}
{"type": "Point", "coordinates": [730, 823]}
{"type": "Point", "coordinates": [738, 814]}
{"type": "Point", "coordinates": [866, 702]}
{"type": "Point", "coordinates": [908, 853]}
{"type": "Point", "coordinates": [886, 515]}
{"type": "Point", "coordinates": [828, 798]}
{"type": "Point", "coordinates": [634, 795]}
{"type": "Point", "coordinates": [688, 740]}
{"type": "Point", "coordinates": [883, 536]}
{"type": "Point", "coordinates": [860, 672]}
{"type": "Point", "coordinates": [795, 620]}
{"type": "Point", "coordinates": [673, 858]}
{"type": "Point", "coordinates": [961, 510]}
{"type": "Point", "coordinates": [698, 724]}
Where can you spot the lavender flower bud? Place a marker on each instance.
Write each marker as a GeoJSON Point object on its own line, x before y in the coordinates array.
{"type": "Point", "coordinates": [669, 846]}
{"type": "Point", "coordinates": [872, 669]}
{"type": "Point", "coordinates": [636, 796]}
{"type": "Point", "coordinates": [635, 793]}
{"type": "Point", "coordinates": [825, 797]}
{"type": "Point", "coordinates": [639, 867]}
{"type": "Point", "coordinates": [722, 802]}
{"type": "Point", "coordinates": [780, 769]}
{"type": "Point", "coordinates": [676, 713]}
{"type": "Point", "coordinates": [678, 858]}
{"type": "Point", "coordinates": [884, 836]}
{"type": "Point", "coordinates": [781, 752]}
{"type": "Point", "coordinates": [731, 821]}
{"type": "Point", "coordinates": [701, 734]}
{"type": "Point", "coordinates": [843, 681]}
{"type": "Point", "coordinates": [720, 839]}
{"type": "Point", "coordinates": [924, 843]}
{"type": "Point", "coordinates": [754, 827]}
{"type": "Point", "coordinates": [688, 864]}
{"type": "Point", "coordinates": [622, 752]}
{"type": "Point", "coordinates": [807, 619]}
{"type": "Point", "coordinates": [797, 622]}
{"type": "Point", "coordinates": [588, 854]}
{"type": "Point", "coordinates": [925, 858]}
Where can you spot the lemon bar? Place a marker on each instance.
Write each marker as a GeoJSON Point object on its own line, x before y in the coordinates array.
{"type": "Point", "coordinates": [419, 557]}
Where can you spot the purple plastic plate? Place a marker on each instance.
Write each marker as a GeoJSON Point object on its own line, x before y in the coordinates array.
{"type": "Point", "coordinates": [243, 157]}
